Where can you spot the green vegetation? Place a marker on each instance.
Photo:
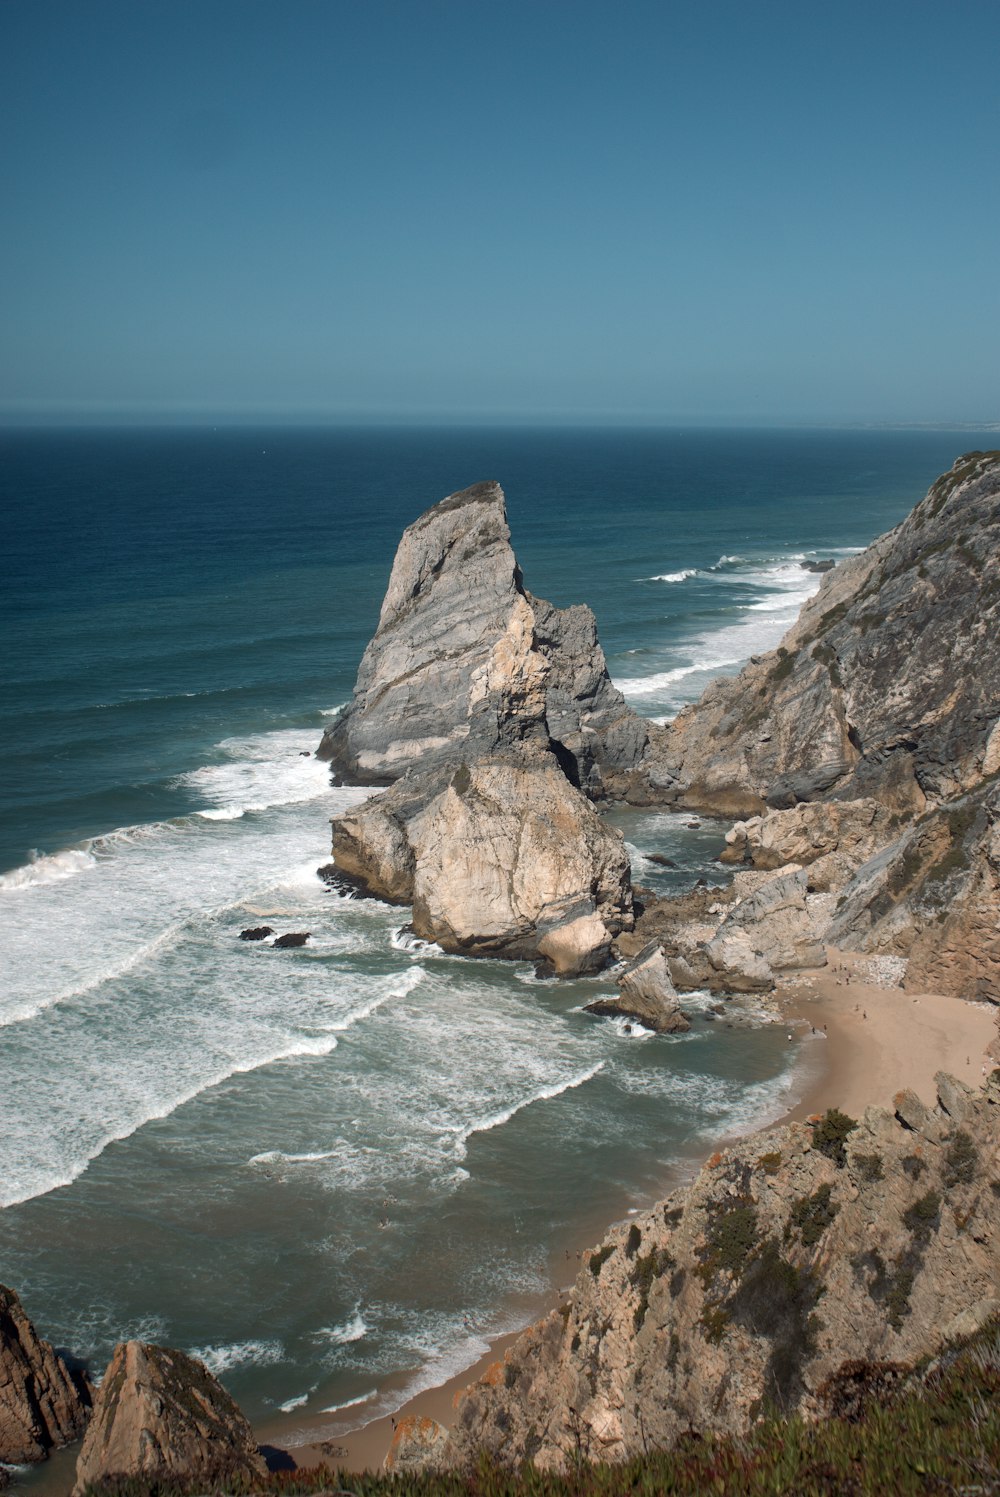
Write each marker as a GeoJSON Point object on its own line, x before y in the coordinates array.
{"type": "Point", "coordinates": [900, 1432]}
{"type": "Point", "coordinates": [913, 1166]}
{"type": "Point", "coordinates": [650, 1266]}
{"type": "Point", "coordinates": [784, 667]}
{"type": "Point", "coordinates": [960, 1160]}
{"type": "Point", "coordinates": [811, 1215]}
{"type": "Point", "coordinates": [830, 1132]}
{"type": "Point", "coordinates": [869, 1166]}
{"type": "Point", "coordinates": [923, 1217]}
{"type": "Point", "coordinates": [960, 821]}
{"type": "Point", "coordinates": [732, 1235]}
{"type": "Point", "coordinates": [775, 1299]}
{"type": "Point", "coordinates": [769, 1163]}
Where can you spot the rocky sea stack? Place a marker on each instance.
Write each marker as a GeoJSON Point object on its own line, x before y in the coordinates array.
{"type": "Point", "coordinates": [492, 716]}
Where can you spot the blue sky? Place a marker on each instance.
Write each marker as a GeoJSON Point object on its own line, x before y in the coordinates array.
{"type": "Point", "coordinates": [452, 210]}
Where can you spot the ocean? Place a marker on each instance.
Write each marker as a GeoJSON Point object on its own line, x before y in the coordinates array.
{"type": "Point", "coordinates": [328, 1167]}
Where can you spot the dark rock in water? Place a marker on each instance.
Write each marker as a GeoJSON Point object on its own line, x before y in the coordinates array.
{"type": "Point", "coordinates": [342, 882]}
{"type": "Point", "coordinates": [294, 938]}
{"type": "Point", "coordinates": [660, 859]}
{"type": "Point", "coordinates": [256, 933]}
{"type": "Point", "coordinates": [161, 1417]}
{"type": "Point", "coordinates": [818, 566]}
{"type": "Point", "coordinates": [717, 1008]}
{"type": "Point", "coordinates": [42, 1404]}
{"type": "Point", "coordinates": [465, 662]}
{"type": "Point", "coordinates": [305, 753]}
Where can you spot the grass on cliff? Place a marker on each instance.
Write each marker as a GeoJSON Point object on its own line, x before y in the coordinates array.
{"type": "Point", "coordinates": [892, 1430]}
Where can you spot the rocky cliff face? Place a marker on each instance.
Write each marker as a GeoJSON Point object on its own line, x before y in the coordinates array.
{"type": "Point", "coordinates": [161, 1416]}
{"type": "Point", "coordinates": [42, 1404]}
{"type": "Point", "coordinates": [493, 715]}
{"type": "Point", "coordinates": [466, 662]}
{"type": "Point", "coordinates": [790, 1255]}
{"type": "Point", "coordinates": [888, 685]}
{"type": "Point", "coordinates": [863, 756]}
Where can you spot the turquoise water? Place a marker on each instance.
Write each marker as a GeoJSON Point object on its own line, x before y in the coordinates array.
{"type": "Point", "coordinates": [320, 1167]}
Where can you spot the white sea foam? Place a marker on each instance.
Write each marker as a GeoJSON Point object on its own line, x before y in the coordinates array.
{"type": "Point", "coordinates": [221, 1359]}
{"type": "Point", "coordinates": [269, 769]}
{"type": "Point", "coordinates": [51, 869]}
{"type": "Point", "coordinates": [404, 940]}
{"type": "Point", "coordinates": [352, 1403]}
{"type": "Point", "coordinates": [680, 576]}
{"type": "Point", "coordinates": [547, 1094]}
{"type": "Point", "coordinates": [291, 1404]}
{"type": "Point", "coordinates": [784, 585]}
{"type": "Point", "coordinates": [347, 1332]}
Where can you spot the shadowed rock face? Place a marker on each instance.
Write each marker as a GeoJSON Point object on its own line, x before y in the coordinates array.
{"type": "Point", "coordinates": [465, 661]}
{"type": "Point", "coordinates": [888, 685]}
{"type": "Point", "coordinates": [790, 1255]}
{"type": "Point", "coordinates": [42, 1405]}
{"type": "Point", "coordinates": [161, 1415]}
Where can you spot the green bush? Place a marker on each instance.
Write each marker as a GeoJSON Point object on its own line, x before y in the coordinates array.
{"type": "Point", "coordinates": [960, 1160]}
{"type": "Point", "coordinates": [829, 1135]}
{"type": "Point", "coordinates": [869, 1166]}
{"type": "Point", "coordinates": [811, 1215]}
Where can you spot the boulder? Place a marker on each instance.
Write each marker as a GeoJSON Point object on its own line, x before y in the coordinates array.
{"type": "Point", "coordinates": [293, 938]}
{"type": "Point", "coordinates": [256, 933]}
{"type": "Point", "coordinates": [646, 994]}
{"type": "Point", "coordinates": [499, 857]}
{"type": "Point", "coordinates": [415, 1445]}
{"type": "Point", "coordinates": [161, 1416]}
{"type": "Point", "coordinates": [42, 1404]}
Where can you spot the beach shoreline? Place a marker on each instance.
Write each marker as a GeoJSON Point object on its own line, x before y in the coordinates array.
{"type": "Point", "coordinates": [871, 1042]}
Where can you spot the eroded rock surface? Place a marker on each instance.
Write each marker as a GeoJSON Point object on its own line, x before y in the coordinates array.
{"type": "Point", "coordinates": [160, 1415]}
{"type": "Point", "coordinates": [888, 685]}
{"type": "Point", "coordinates": [791, 1254]}
{"type": "Point", "coordinates": [465, 661]}
{"type": "Point", "coordinates": [500, 857]}
{"type": "Point", "coordinates": [42, 1404]}
{"type": "Point", "coordinates": [646, 993]}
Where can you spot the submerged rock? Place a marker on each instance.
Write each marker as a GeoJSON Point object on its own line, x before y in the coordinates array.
{"type": "Point", "coordinates": [42, 1404]}
{"type": "Point", "coordinates": [257, 933]}
{"type": "Point", "coordinates": [161, 1416]}
{"type": "Point", "coordinates": [293, 938]}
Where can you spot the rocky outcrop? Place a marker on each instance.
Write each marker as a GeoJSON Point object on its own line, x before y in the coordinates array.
{"type": "Point", "coordinates": [498, 857]}
{"type": "Point", "coordinates": [493, 717]}
{"type": "Point", "coordinates": [159, 1416]}
{"type": "Point", "coordinates": [792, 1254]}
{"type": "Point", "coordinates": [646, 994]}
{"type": "Point", "coordinates": [416, 1443]}
{"type": "Point", "coordinates": [42, 1404]}
{"type": "Point", "coordinates": [933, 897]}
{"type": "Point", "coordinates": [465, 662]}
{"type": "Point", "coordinates": [887, 686]}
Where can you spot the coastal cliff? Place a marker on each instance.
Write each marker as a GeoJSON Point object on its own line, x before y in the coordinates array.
{"type": "Point", "coordinates": [796, 1266]}
{"type": "Point", "coordinates": [862, 757]}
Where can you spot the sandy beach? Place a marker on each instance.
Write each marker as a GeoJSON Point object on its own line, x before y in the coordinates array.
{"type": "Point", "coordinates": [866, 1042]}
